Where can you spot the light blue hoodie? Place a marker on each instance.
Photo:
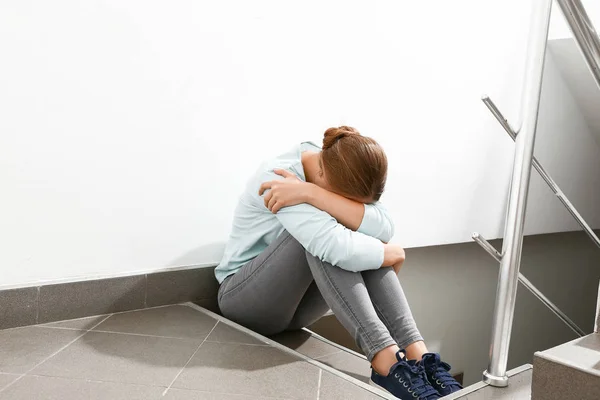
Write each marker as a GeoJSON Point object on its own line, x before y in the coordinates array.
{"type": "Point", "coordinates": [255, 227]}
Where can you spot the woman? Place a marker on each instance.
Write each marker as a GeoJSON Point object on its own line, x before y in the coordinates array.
{"type": "Point", "coordinates": [309, 235]}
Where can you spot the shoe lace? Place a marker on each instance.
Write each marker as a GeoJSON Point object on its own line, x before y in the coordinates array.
{"type": "Point", "coordinates": [442, 375]}
{"type": "Point", "coordinates": [418, 384]}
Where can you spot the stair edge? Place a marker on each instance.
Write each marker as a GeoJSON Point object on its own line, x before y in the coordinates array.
{"type": "Point", "coordinates": [286, 349]}
{"type": "Point", "coordinates": [481, 385]}
{"type": "Point", "coordinates": [566, 363]}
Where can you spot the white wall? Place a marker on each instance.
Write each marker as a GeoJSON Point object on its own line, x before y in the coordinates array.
{"type": "Point", "coordinates": [128, 127]}
{"type": "Point", "coordinates": [577, 75]}
{"type": "Point", "coordinates": [568, 151]}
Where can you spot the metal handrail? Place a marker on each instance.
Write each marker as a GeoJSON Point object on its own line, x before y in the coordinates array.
{"type": "Point", "coordinates": [531, 287]}
{"type": "Point", "coordinates": [589, 43]}
{"type": "Point", "coordinates": [545, 176]}
{"type": "Point", "coordinates": [510, 261]}
{"type": "Point", "coordinates": [597, 323]}
{"type": "Point", "coordinates": [585, 35]}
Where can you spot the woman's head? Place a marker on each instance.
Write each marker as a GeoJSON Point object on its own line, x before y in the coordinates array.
{"type": "Point", "coordinates": [353, 165]}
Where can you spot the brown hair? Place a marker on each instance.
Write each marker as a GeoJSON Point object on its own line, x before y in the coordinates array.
{"type": "Point", "coordinates": [354, 165]}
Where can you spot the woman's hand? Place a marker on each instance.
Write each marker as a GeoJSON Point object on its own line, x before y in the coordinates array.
{"type": "Point", "coordinates": [393, 256]}
{"type": "Point", "coordinates": [284, 193]}
{"type": "Point", "coordinates": [397, 267]}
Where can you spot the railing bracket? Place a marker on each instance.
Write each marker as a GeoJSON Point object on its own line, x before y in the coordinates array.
{"type": "Point", "coordinates": [491, 250]}
{"type": "Point", "coordinates": [501, 119]}
{"type": "Point", "coordinates": [545, 176]}
{"type": "Point", "coordinates": [487, 246]}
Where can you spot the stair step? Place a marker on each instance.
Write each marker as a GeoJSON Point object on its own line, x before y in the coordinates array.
{"type": "Point", "coordinates": [327, 352]}
{"type": "Point", "coordinates": [349, 369]}
{"type": "Point", "coordinates": [519, 388]}
{"type": "Point", "coordinates": [355, 365]}
{"type": "Point", "coordinates": [568, 371]}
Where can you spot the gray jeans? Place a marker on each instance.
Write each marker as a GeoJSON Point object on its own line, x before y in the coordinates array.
{"type": "Point", "coordinates": [286, 288]}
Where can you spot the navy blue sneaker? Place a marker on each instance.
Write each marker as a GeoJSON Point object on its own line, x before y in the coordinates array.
{"type": "Point", "coordinates": [438, 374]}
{"type": "Point", "coordinates": [406, 381]}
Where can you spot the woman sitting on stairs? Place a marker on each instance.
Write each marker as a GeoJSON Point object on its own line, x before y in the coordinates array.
{"type": "Point", "coordinates": [309, 235]}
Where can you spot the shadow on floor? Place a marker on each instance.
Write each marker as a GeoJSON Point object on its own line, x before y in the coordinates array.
{"type": "Point", "coordinates": [163, 336]}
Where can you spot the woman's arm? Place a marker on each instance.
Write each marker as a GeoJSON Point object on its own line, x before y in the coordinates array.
{"type": "Point", "coordinates": [322, 236]}
{"type": "Point", "coordinates": [347, 212]}
{"type": "Point", "coordinates": [370, 219]}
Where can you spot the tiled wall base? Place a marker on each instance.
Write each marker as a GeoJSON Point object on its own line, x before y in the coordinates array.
{"type": "Point", "coordinates": [56, 302]}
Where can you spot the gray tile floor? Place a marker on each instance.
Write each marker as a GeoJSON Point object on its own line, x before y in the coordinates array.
{"type": "Point", "coordinates": [313, 346]}
{"type": "Point", "coordinates": [175, 352]}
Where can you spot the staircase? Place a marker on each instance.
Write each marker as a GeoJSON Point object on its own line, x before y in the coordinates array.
{"type": "Point", "coordinates": [570, 371]}
{"type": "Point", "coordinates": [355, 366]}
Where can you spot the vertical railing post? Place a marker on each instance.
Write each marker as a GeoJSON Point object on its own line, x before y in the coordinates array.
{"type": "Point", "coordinates": [506, 292]}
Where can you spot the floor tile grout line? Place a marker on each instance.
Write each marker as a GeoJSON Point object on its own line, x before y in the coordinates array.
{"type": "Point", "coordinates": [90, 316]}
{"type": "Point", "coordinates": [75, 378]}
{"type": "Point", "coordinates": [294, 353]}
{"type": "Point", "coordinates": [64, 328]}
{"type": "Point", "coordinates": [327, 355]}
{"type": "Point", "coordinates": [113, 332]}
{"type": "Point", "coordinates": [9, 373]}
{"type": "Point", "coordinates": [53, 354]}
{"type": "Point", "coordinates": [319, 384]}
{"type": "Point", "coordinates": [334, 344]}
{"type": "Point", "coordinates": [233, 394]}
{"type": "Point", "coordinates": [74, 319]}
{"type": "Point", "coordinates": [18, 376]}
{"type": "Point", "coordinates": [106, 316]}
{"type": "Point", "coordinates": [147, 308]}
{"type": "Point", "coordinates": [189, 360]}
{"type": "Point", "coordinates": [43, 325]}
{"type": "Point", "coordinates": [239, 343]}
{"type": "Point", "coordinates": [12, 383]}
{"type": "Point", "coordinates": [144, 335]}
